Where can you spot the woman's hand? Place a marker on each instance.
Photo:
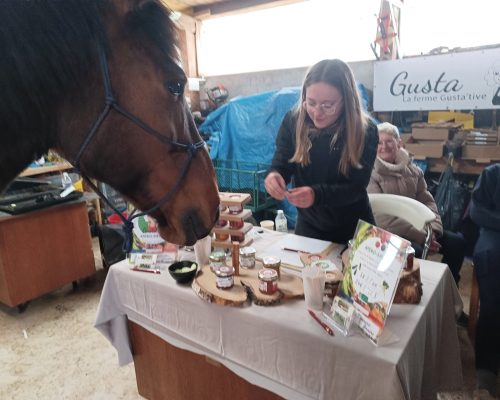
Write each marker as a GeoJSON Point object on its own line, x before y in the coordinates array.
{"type": "Point", "coordinates": [301, 197]}
{"type": "Point", "coordinates": [275, 185]}
{"type": "Point", "coordinates": [434, 246]}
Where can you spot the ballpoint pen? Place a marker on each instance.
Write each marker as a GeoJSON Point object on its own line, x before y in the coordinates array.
{"type": "Point", "coordinates": [323, 325]}
{"type": "Point", "coordinates": [294, 250]}
{"type": "Point", "coordinates": [151, 271]}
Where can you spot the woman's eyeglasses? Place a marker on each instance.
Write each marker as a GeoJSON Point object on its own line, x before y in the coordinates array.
{"type": "Point", "coordinates": [327, 108]}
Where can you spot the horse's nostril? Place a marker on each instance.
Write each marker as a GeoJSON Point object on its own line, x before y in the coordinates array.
{"type": "Point", "coordinates": [194, 225]}
{"type": "Point", "coordinates": [217, 215]}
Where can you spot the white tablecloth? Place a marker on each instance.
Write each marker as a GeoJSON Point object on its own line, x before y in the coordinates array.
{"type": "Point", "coordinates": [282, 349]}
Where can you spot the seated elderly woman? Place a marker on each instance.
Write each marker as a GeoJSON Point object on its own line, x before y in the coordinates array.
{"type": "Point", "coordinates": [395, 173]}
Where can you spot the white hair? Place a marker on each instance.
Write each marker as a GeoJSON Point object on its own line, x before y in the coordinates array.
{"type": "Point", "coordinates": [390, 129]}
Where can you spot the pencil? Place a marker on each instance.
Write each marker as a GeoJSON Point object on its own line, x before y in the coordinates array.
{"type": "Point", "coordinates": [294, 250]}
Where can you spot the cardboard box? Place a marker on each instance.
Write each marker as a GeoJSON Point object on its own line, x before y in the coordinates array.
{"type": "Point", "coordinates": [439, 132]}
{"type": "Point", "coordinates": [425, 150]}
{"type": "Point", "coordinates": [481, 136]}
{"type": "Point", "coordinates": [467, 119]}
{"type": "Point", "coordinates": [481, 152]}
{"type": "Point", "coordinates": [405, 137]}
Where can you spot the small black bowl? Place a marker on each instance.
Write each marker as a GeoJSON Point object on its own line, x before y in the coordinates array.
{"type": "Point", "coordinates": [182, 277]}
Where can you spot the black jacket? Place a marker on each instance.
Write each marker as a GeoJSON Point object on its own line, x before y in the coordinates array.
{"type": "Point", "coordinates": [339, 201]}
{"type": "Point", "coordinates": [485, 205]}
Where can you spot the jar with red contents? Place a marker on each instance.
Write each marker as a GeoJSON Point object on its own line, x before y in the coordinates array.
{"type": "Point", "coordinates": [221, 236]}
{"type": "Point", "coordinates": [268, 281]}
{"type": "Point", "coordinates": [236, 224]}
{"type": "Point", "coordinates": [221, 223]}
{"type": "Point", "coordinates": [240, 237]}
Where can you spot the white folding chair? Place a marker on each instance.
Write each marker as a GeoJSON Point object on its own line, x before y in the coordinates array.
{"type": "Point", "coordinates": [411, 210]}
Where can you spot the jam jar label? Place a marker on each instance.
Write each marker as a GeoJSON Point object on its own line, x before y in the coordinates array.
{"type": "Point", "coordinates": [225, 282]}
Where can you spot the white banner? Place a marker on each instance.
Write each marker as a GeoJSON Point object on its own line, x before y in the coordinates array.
{"type": "Point", "coordinates": [456, 81]}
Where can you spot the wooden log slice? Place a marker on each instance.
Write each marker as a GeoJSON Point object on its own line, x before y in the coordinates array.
{"type": "Point", "coordinates": [409, 289]}
{"type": "Point", "coordinates": [205, 287]}
{"type": "Point", "coordinates": [246, 284]}
{"type": "Point", "coordinates": [289, 286]}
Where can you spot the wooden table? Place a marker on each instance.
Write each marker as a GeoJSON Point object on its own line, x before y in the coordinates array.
{"type": "Point", "coordinates": [46, 169]}
{"type": "Point", "coordinates": [61, 167]}
{"type": "Point", "coordinates": [43, 250]}
{"type": "Point", "coordinates": [184, 347]}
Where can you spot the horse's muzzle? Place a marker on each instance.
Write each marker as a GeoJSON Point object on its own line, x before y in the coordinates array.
{"type": "Point", "coordinates": [194, 228]}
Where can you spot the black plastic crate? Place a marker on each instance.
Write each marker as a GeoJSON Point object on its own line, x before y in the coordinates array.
{"type": "Point", "coordinates": [244, 177]}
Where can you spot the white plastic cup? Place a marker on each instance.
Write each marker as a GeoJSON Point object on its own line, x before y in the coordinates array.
{"type": "Point", "coordinates": [267, 224]}
{"type": "Point", "coordinates": [202, 249]}
{"type": "Point", "coordinates": [314, 287]}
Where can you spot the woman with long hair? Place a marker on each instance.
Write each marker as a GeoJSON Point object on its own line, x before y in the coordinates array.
{"type": "Point", "coordinates": [326, 147]}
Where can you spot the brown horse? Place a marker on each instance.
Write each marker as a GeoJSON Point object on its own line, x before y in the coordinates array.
{"type": "Point", "coordinates": [134, 132]}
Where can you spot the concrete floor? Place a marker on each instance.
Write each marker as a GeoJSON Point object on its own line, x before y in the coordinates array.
{"type": "Point", "coordinates": [51, 351]}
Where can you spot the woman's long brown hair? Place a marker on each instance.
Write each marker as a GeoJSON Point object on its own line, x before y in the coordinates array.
{"type": "Point", "coordinates": [351, 124]}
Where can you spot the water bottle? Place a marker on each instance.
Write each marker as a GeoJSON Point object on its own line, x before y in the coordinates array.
{"type": "Point", "coordinates": [66, 180]}
{"type": "Point", "coordinates": [280, 222]}
{"type": "Point", "coordinates": [67, 184]}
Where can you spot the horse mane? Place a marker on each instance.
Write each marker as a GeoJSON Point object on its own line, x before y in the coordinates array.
{"type": "Point", "coordinates": [48, 52]}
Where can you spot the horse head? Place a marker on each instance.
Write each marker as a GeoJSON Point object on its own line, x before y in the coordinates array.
{"type": "Point", "coordinates": [136, 132]}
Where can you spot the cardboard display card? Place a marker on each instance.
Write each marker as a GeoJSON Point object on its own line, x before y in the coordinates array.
{"type": "Point", "coordinates": [372, 275]}
{"type": "Point", "coordinates": [146, 239]}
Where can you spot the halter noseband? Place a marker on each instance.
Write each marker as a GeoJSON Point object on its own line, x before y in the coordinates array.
{"type": "Point", "coordinates": [110, 103]}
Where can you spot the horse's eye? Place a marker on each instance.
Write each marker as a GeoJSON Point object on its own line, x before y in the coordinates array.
{"type": "Point", "coordinates": [176, 87]}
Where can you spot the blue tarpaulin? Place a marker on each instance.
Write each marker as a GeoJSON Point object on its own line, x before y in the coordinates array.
{"type": "Point", "coordinates": [245, 128]}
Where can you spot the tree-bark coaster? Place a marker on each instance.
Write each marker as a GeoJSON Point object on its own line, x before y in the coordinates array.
{"type": "Point", "coordinates": [409, 289]}
{"type": "Point", "coordinates": [289, 287]}
{"type": "Point", "coordinates": [205, 287]}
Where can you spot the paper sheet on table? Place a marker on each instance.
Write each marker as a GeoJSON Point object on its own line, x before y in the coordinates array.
{"type": "Point", "coordinates": [294, 242]}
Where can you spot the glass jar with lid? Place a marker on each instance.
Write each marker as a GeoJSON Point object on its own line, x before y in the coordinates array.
{"type": "Point", "coordinates": [273, 263]}
{"type": "Point", "coordinates": [268, 281]}
{"type": "Point", "coordinates": [247, 257]}
{"type": "Point", "coordinates": [236, 224]}
{"type": "Point", "coordinates": [221, 236]}
{"type": "Point", "coordinates": [216, 260]}
{"type": "Point", "coordinates": [235, 209]}
{"type": "Point", "coordinates": [224, 277]}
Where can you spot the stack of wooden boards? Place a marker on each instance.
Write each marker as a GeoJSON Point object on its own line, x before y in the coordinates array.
{"type": "Point", "coordinates": [434, 140]}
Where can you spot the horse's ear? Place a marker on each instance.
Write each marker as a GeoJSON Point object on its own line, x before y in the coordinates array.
{"type": "Point", "coordinates": [124, 7]}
